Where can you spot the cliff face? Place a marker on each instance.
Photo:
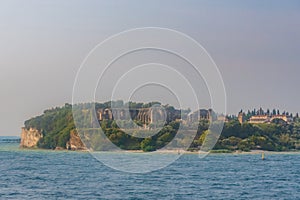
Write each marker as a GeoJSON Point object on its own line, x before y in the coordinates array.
{"type": "Point", "coordinates": [75, 142]}
{"type": "Point", "coordinates": [30, 138]}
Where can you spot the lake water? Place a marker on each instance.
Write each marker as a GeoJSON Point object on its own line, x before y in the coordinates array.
{"type": "Point", "coordinates": [39, 174]}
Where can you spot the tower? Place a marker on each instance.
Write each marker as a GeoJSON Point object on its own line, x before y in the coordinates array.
{"type": "Point", "coordinates": [241, 117]}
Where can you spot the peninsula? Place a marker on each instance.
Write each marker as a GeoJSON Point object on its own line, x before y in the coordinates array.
{"type": "Point", "coordinates": [252, 130]}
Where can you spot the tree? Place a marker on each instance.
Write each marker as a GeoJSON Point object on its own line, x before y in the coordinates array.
{"type": "Point", "coordinates": [284, 139]}
{"type": "Point", "coordinates": [148, 145]}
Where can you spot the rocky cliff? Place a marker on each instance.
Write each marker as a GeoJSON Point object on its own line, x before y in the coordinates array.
{"type": "Point", "coordinates": [75, 142]}
{"type": "Point", "coordinates": [30, 137]}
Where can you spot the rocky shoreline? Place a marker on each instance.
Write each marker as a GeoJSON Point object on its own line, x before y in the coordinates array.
{"type": "Point", "coordinates": [30, 138]}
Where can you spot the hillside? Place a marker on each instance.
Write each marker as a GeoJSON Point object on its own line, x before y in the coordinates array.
{"type": "Point", "coordinates": [56, 125]}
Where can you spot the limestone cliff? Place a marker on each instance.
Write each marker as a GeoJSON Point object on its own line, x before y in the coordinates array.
{"type": "Point", "coordinates": [75, 142]}
{"type": "Point", "coordinates": [30, 137]}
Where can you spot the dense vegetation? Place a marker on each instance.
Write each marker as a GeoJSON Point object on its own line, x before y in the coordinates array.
{"type": "Point", "coordinates": [56, 124]}
{"type": "Point", "coordinates": [274, 111]}
{"type": "Point", "coordinates": [277, 136]}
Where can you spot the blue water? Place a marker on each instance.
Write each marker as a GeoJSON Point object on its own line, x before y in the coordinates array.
{"type": "Point", "coordinates": [42, 174]}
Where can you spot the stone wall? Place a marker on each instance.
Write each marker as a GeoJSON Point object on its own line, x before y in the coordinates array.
{"type": "Point", "coordinates": [145, 115]}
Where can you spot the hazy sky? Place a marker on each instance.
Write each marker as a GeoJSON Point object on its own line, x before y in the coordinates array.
{"type": "Point", "coordinates": [255, 43]}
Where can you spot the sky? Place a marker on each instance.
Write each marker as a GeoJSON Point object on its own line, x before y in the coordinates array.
{"type": "Point", "coordinates": [254, 43]}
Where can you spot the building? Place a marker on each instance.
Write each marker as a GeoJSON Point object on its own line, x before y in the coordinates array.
{"type": "Point", "coordinates": [285, 118]}
{"type": "Point", "coordinates": [241, 117]}
{"type": "Point", "coordinates": [202, 114]}
{"type": "Point", "coordinates": [259, 119]}
{"type": "Point", "coordinates": [222, 118]}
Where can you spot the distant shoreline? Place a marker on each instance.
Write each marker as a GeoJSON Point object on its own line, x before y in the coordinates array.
{"type": "Point", "coordinates": [252, 152]}
{"type": "Point", "coordinates": [234, 153]}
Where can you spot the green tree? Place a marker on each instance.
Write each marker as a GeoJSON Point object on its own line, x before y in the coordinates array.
{"type": "Point", "coordinates": [148, 145]}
